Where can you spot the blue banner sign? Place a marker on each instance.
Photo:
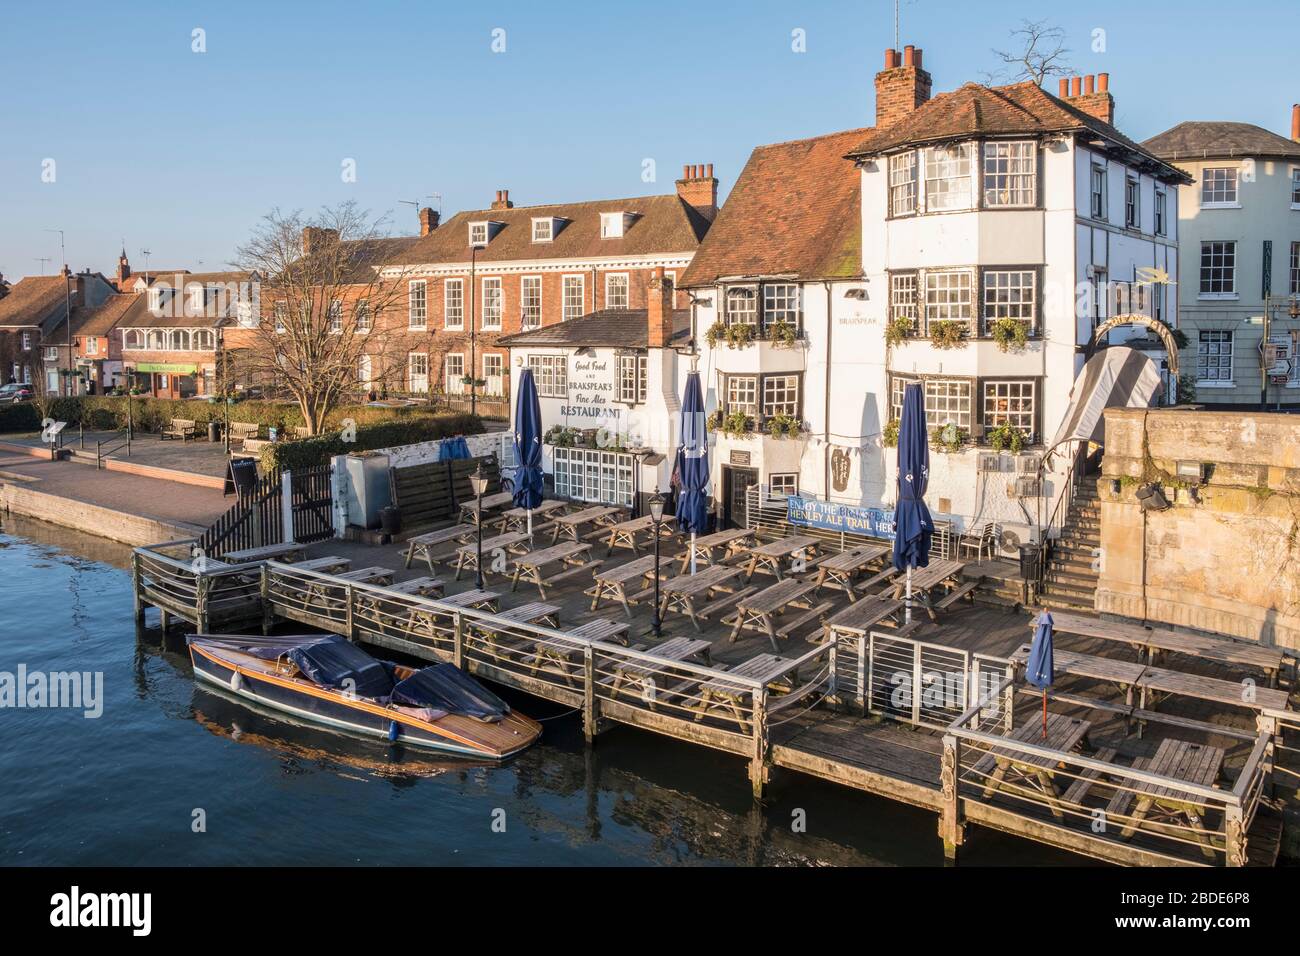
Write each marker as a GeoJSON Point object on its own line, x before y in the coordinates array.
{"type": "Point", "coordinates": [811, 513]}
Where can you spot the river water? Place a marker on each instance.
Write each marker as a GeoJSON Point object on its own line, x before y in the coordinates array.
{"type": "Point", "coordinates": [173, 774]}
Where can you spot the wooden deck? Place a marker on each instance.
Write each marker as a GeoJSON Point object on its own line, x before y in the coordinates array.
{"type": "Point", "coordinates": [813, 714]}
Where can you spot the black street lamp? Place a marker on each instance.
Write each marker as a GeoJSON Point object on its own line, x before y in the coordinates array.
{"type": "Point", "coordinates": [479, 482]}
{"type": "Point", "coordinates": [657, 516]}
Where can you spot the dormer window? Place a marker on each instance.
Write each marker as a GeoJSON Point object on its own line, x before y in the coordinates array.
{"type": "Point", "coordinates": [613, 225]}
{"type": "Point", "coordinates": [478, 234]}
{"type": "Point", "coordinates": [196, 300]}
{"type": "Point", "coordinates": [155, 300]}
{"type": "Point", "coordinates": [543, 230]}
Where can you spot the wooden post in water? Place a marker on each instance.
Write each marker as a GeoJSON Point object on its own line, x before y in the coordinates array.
{"type": "Point", "coordinates": [458, 639]}
{"type": "Point", "coordinates": [758, 759]}
{"type": "Point", "coordinates": [138, 588]}
{"type": "Point", "coordinates": [1234, 836]}
{"type": "Point", "coordinates": [590, 713]}
{"type": "Point", "coordinates": [202, 585]}
{"type": "Point", "coordinates": [265, 588]}
{"type": "Point", "coordinates": [350, 622]}
{"type": "Point", "coordinates": [950, 824]}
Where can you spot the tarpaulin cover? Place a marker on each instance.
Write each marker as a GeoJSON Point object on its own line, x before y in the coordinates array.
{"type": "Point", "coordinates": [334, 662]}
{"type": "Point", "coordinates": [447, 687]}
{"type": "Point", "coordinates": [453, 448]}
{"type": "Point", "coordinates": [1116, 377]}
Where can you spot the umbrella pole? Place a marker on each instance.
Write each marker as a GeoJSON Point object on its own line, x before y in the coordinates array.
{"type": "Point", "coordinates": [907, 614]}
{"type": "Point", "coordinates": [1044, 713]}
{"type": "Point", "coordinates": [692, 554]}
{"type": "Point", "coordinates": [530, 524]}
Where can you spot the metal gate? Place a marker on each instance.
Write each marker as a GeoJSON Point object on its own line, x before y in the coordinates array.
{"type": "Point", "coordinates": [257, 519]}
{"type": "Point", "coordinates": [929, 685]}
{"type": "Point", "coordinates": [312, 503]}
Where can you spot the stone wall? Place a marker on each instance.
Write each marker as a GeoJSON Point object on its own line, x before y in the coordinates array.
{"type": "Point", "coordinates": [1226, 557]}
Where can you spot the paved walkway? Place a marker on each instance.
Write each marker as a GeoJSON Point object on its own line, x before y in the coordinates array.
{"type": "Point", "coordinates": [156, 498]}
{"type": "Point", "coordinates": [197, 457]}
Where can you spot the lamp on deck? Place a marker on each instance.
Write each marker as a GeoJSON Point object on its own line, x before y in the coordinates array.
{"type": "Point", "coordinates": [479, 482]}
{"type": "Point", "coordinates": [657, 516]}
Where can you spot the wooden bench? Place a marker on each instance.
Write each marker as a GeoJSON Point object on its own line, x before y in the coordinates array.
{"type": "Point", "coordinates": [717, 607]}
{"type": "Point", "coordinates": [1122, 799]}
{"type": "Point", "coordinates": [571, 572]}
{"type": "Point", "coordinates": [812, 614]}
{"type": "Point", "coordinates": [955, 595]}
{"type": "Point", "coordinates": [243, 431]}
{"type": "Point", "coordinates": [182, 428]}
{"type": "Point", "coordinates": [1079, 789]}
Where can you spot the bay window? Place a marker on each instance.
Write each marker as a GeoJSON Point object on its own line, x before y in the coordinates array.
{"type": "Point", "coordinates": [948, 178]}
{"type": "Point", "coordinates": [975, 405]}
{"type": "Point", "coordinates": [781, 304]}
{"type": "Point", "coordinates": [1010, 294]}
{"type": "Point", "coordinates": [1010, 403]}
{"type": "Point", "coordinates": [742, 307]}
{"type": "Point", "coordinates": [1010, 174]}
{"type": "Point", "coordinates": [949, 297]}
{"type": "Point", "coordinates": [902, 297]}
{"type": "Point", "coordinates": [902, 184]}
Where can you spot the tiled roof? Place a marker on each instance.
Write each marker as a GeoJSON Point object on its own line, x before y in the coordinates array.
{"type": "Point", "coordinates": [1207, 140]}
{"type": "Point", "coordinates": [794, 211]}
{"type": "Point", "coordinates": [175, 312]}
{"type": "Point", "coordinates": [32, 299]}
{"type": "Point", "coordinates": [664, 224]}
{"type": "Point", "coordinates": [102, 319]}
{"type": "Point", "coordinates": [1021, 109]}
{"type": "Point", "coordinates": [608, 327]}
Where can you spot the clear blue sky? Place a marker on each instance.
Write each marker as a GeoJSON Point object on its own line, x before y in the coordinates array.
{"type": "Point", "coordinates": [182, 152]}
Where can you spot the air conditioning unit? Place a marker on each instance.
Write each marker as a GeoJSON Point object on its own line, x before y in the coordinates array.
{"type": "Point", "coordinates": [1012, 536]}
{"type": "Point", "coordinates": [1027, 464]}
{"type": "Point", "coordinates": [988, 461]}
{"type": "Point", "coordinates": [1025, 488]}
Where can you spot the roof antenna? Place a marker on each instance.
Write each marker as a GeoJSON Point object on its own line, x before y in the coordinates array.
{"type": "Point", "coordinates": [896, 40]}
{"type": "Point", "coordinates": [42, 260]}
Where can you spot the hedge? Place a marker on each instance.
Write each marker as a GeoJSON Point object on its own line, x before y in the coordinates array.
{"type": "Point", "coordinates": [404, 431]}
{"type": "Point", "coordinates": [105, 412]}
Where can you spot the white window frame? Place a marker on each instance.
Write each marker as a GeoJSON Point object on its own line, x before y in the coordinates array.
{"type": "Point", "coordinates": [51, 353]}
{"type": "Point", "coordinates": [1011, 166]}
{"type": "Point", "coordinates": [530, 316]}
{"type": "Point", "coordinates": [611, 225]}
{"type": "Point", "coordinates": [1229, 247]}
{"type": "Point", "coordinates": [945, 302]}
{"type": "Point", "coordinates": [783, 301]}
{"type": "Point", "coordinates": [627, 290]}
{"type": "Point", "coordinates": [1207, 340]}
{"type": "Point", "coordinates": [593, 475]}
{"type": "Point", "coordinates": [740, 305]}
{"type": "Point", "coordinates": [494, 370]}
{"type": "Point", "coordinates": [92, 345]}
{"type": "Point", "coordinates": [479, 233]}
{"type": "Point", "coordinates": [365, 370]}
{"type": "Point", "coordinates": [1295, 187]}
{"type": "Point", "coordinates": [781, 395]}
{"type": "Point", "coordinates": [412, 377]}
{"type": "Point", "coordinates": [1294, 270]}
{"type": "Point", "coordinates": [1098, 204]}
{"type": "Point", "coordinates": [742, 393]}
{"type": "Point", "coordinates": [1005, 294]}
{"type": "Point", "coordinates": [363, 318]}
{"type": "Point", "coordinates": [569, 308]}
{"type": "Point", "coordinates": [1132, 202]}
{"type": "Point", "coordinates": [1161, 212]}
{"type": "Point", "coordinates": [954, 166]}
{"type": "Point", "coordinates": [551, 374]}
{"type": "Point", "coordinates": [27, 341]}
{"type": "Point", "coordinates": [491, 315]}
{"type": "Point", "coordinates": [453, 305]}
{"type": "Point", "coordinates": [782, 484]}
{"type": "Point", "coordinates": [453, 381]}
{"type": "Point", "coordinates": [903, 185]}
{"type": "Point", "coordinates": [633, 372]}
{"type": "Point", "coordinates": [417, 307]}
{"type": "Point", "coordinates": [543, 229]}
{"type": "Point", "coordinates": [334, 317]}
{"type": "Point", "coordinates": [1215, 185]}
{"type": "Point", "coordinates": [949, 400]}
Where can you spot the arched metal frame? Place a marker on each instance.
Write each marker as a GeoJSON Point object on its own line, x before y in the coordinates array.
{"type": "Point", "coordinates": [1164, 332]}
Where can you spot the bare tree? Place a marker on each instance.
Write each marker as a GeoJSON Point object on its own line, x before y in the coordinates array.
{"type": "Point", "coordinates": [1042, 54]}
{"type": "Point", "coordinates": [321, 308]}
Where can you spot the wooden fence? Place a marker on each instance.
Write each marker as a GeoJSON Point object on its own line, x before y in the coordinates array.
{"type": "Point", "coordinates": [257, 519]}
{"type": "Point", "coordinates": [432, 492]}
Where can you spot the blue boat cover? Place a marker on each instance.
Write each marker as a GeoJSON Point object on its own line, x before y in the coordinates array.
{"type": "Point", "coordinates": [447, 687]}
{"type": "Point", "coordinates": [335, 662]}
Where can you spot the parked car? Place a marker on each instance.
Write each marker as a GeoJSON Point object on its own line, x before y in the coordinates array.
{"type": "Point", "coordinates": [15, 392]}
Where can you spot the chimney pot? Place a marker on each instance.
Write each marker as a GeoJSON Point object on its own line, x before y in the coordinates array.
{"type": "Point", "coordinates": [909, 55]}
{"type": "Point", "coordinates": [698, 189]}
{"type": "Point", "coordinates": [1089, 84]}
{"type": "Point", "coordinates": [891, 59]}
{"type": "Point", "coordinates": [708, 171]}
{"type": "Point", "coordinates": [686, 171]}
{"type": "Point", "coordinates": [1103, 82]}
{"type": "Point", "coordinates": [1064, 88]}
{"type": "Point", "coordinates": [1076, 86]}
{"type": "Point", "coordinates": [918, 57]}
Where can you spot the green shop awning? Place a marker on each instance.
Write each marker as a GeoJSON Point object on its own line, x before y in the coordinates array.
{"type": "Point", "coordinates": [167, 367]}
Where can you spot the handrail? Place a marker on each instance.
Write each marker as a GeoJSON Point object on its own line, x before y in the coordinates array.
{"type": "Point", "coordinates": [101, 452]}
{"type": "Point", "coordinates": [1059, 510]}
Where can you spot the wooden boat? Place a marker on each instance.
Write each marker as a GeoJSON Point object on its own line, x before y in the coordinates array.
{"type": "Point", "coordinates": [327, 680]}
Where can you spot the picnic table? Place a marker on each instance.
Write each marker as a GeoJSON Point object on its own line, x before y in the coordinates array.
{"type": "Point", "coordinates": [1154, 640]}
{"type": "Point", "coordinates": [1011, 768]}
{"type": "Point", "coordinates": [566, 526]}
{"type": "Point", "coordinates": [517, 518]}
{"type": "Point", "coordinates": [1159, 680]}
{"type": "Point", "coordinates": [861, 616]}
{"type": "Point", "coordinates": [681, 593]}
{"type": "Point", "coordinates": [733, 540]}
{"type": "Point", "coordinates": [624, 534]}
{"type": "Point", "coordinates": [328, 564]}
{"type": "Point", "coordinates": [420, 587]}
{"type": "Point", "coordinates": [469, 513]}
{"type": "Point", "coordinates": [268, 552]}
{"type": "Point", "coordinates": [481, 600]}
{"type": "Point", "coordinates": [757, 611]}
{"type": "Point", "coordinates": [839, 570]}
{"type": "Point", "coordinates": [560, 655]}
{"type": "Point", "coordinates": [422, 545]}
{"type": "Point", "coordinates": [637, 673]}
{"type": "Point", "coordinates": [728, 696]}
{"type": "Point", "coordinates": [1198, 764]}
{"type": "Point", "coordinates": [767, 558]}
{"type": "Point", "coordinates": [942, 576]}
{"type": "Point", "coordinates": [612, 582]}
{"type": "Point", "coordinates": [467, 555]}
{"type": "Point", "coordinates": [528, 566]}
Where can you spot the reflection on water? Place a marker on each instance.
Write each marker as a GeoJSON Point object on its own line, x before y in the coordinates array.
{"type": "Point", "coordinates": [124, 789]}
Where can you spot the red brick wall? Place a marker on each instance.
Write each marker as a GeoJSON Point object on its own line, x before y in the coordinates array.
{"type": "Point", "coordinates": [11, 351]}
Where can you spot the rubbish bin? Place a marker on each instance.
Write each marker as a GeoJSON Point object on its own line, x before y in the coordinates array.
{"type": "Point", "coordinates": [214, 431]}
{"type": "Point", "coordinates": [1031, 555]}
{"type": "Point", "coordinates": [390, 520]}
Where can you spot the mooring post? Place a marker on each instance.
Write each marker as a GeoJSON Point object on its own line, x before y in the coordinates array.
{"type": "Point", "coordinates": [832, 692]}
{"type": "Point", "coordinates": [590, 714]}
{"type": "Point", "coordinates": [458, 639]}
{"type": "Point", "coordinates": [265, 588]}
{"type": "Point", "coordinates": [950, 824]}
{"type": "Point", "coordinates": [1234, 836]}
{"type": "Point", "coordinates": [758, 772]}
{"type": "Point", "coordinates": [865, 674]}
{"type": "Point", "coordinates": [137, 586]}
{"type": "Point", "coordinates": [349, 622]}
{"type": "Point", "coordinates": [201, 586]}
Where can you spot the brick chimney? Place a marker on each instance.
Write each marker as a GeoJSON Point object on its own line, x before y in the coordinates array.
{"type": "Point", "coordinates": [314, 236]}
{"type": "Point", "coordinates": [698, 189]}
{"type": "Point", "coordinates": [659, 309]}
{"type": "Point", "coordinates": [503, 200]}
{"type": "Point", "coordinates": [428, 220]}
{"type": "Point", "coordinates": [1091, 94]}
{"type": "Point", "coordinates": [901, 86]}
{"type": "Point", "coordinates": [1295, 123]}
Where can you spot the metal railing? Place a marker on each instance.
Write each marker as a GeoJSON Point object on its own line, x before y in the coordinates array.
{"type": "Point", "coordinates": [188, 584]}
{"type": "Point", "coordinates": [107, 446]}
{"type": "Point", "coordinates": [768, 518]}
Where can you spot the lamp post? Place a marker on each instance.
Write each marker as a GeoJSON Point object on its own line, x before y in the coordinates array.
{"type": "Point", "coordinates": [478, 482]}
{"type": "Point", "coordinates": [657, 516]}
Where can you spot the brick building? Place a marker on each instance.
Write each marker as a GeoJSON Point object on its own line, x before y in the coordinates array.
{"type": "Point", "coordinates": [33, 326]}
{"type": "Point", "coordinates": [493, 272]}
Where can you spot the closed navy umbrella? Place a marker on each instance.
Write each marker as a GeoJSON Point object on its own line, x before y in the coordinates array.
{"type": "Point", "coordinates": [528, 446]}
{"type": "Point", "coordinates": [1040, 669]}
{"type": "Point", "coordinates": [913, 526]}
{"type": "Point", "coordinates": [693, 464]}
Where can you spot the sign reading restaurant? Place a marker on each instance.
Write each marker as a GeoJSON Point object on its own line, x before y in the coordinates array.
{"type": "Point", "coordinates": [811, 513]}
{"type": "Point", "coordinates": [590, 390]}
